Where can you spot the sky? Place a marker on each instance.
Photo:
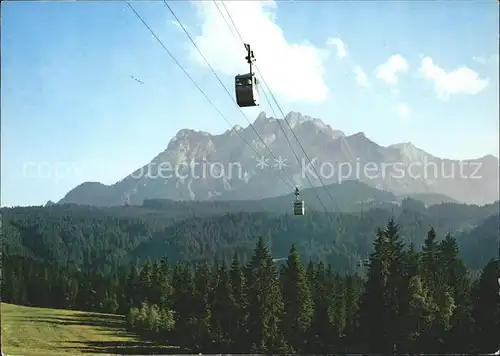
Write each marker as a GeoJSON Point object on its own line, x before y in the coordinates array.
{"type": "Point", "coordinates": [399, 71]}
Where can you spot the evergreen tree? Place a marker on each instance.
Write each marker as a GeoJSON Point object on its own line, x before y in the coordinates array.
{"type": "Point", "coordinates": [430, 262]}
{"type": "Point", "coordinates": [298, 303]}
{"type": "Point", "coordinates": [486, 310]}
{"type": "Point", "coordinates": [397, 284]}
{"type": "Point", "coordinates": [265, 305]}
{"type": "Point", "coordinates": [373, 309]}
{"type": "Point", "coordinates": [420, 315]}
{"type": "Point", "coordinates": [133, 289]}
{"type": "Point", "coordinates": [456, 276]}
{"type": "Point", "coordinates": [182, 302]}
{"type": "Point", "coordinates": [386, 292]}
{"type": "Point", "coordinates": [146, 281]}
{"type": "Point", "coordinates": [200, 321]}
{"type": "Point", "coordinates": [222, 310]}
{"type": "Point", "coordinates": [321, 330]}
{"type": "Point", "coordinates": [239, 308]}
{"type": "Point", "coordinates": [338, 312]}
{"type": "Point", "coordinates": [421, 301]}
{"type": "Point", "coordinates": [353, 286]}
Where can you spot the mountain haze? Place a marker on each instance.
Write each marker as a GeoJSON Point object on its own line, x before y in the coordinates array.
{"type": "Point", "coordinates": [225, 167]}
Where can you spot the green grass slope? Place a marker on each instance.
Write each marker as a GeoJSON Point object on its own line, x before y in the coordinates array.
{"type": "Point", "coordinates": [39, 331]}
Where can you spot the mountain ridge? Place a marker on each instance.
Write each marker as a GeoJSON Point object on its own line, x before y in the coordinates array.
{"type": "Point", "coordinates": [336, 156]}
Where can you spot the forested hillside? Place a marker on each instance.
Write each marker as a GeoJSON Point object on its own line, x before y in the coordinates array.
{"type": "Point", "coordinates": [101, 239]}
{"type": "Point", "coordinates": [350, 196]}
{"type": "Point", "coordinates": [400, 299]}
{"type": "Point", "coordinates": [192, 275]}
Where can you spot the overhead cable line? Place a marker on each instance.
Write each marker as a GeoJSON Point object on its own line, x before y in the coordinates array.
{"type": "Point", "coordinates": [279, 108]}
{"type": "Point", "coordinates": [335, 205]}
{"type": "Point", "coordinates": [199, 88]}
{"type": "Point", "coordinates": [220, 81]}
{"type": "Point", "coordinates": [267, 98]}
{"type": "Point", "coordinates": [272, 109]}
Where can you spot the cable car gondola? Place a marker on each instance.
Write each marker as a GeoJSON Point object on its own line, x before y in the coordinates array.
{"type": "Point", "coordinates": [298, 205]}
{"type": "Point", "coordinates": [247, 85]}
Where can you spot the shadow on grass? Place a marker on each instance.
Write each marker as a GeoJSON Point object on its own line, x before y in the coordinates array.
{"type": "Point", "coordinates": [114, 324]}
{"type": "Point", "coordinates": [87, 319]}
{"type": "Point", "coordinates": [123, 348]}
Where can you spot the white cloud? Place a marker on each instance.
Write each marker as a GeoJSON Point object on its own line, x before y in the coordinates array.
{"type": "Point", "coordinates": [462, 80]}
{"type": "Point", "coordinates": [402, 109]}
{"type": "Point", "coordinates": [388, 71]}
{"type": "Point", "coordinates": [339, 45]}
{"type": "Point", "coordinates": [293, 71]}
{"type": "Point", "coordinates": [361, 77]}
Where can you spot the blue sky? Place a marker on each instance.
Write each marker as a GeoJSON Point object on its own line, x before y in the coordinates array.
{"type": "Point", "coordinates": [425, 72]}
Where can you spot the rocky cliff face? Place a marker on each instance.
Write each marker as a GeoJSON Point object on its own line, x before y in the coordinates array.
{"type": "Point", "coordinates": [198, 166]}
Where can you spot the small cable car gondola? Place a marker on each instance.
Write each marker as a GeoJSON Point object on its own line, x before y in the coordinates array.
{"type": "Point", "coordinates": [247, 85]}
{"type": "Point", "coordinates": [298, 205]}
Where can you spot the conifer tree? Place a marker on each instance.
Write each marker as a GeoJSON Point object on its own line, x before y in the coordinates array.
{"type": "Point", "coordinates": [145, 280]}
{"type": "Point", "coordinates": [321, 330]}
{"type": "Point", "coordinates": [199, 323]}
{"type": "Point", "coordinates": [298, 303]}
{"type": "Point", "coordinates": [386, 291]}
{"type": "Point", "coordinates": [424, 302]}
{"type": "Point", "coordinates": [183, 299]}
{"type": "Point", "coordinates": [429, 259]}
{"type": "Point", "coordinates": [338, 312]}
{"type": "Point", "coordinates": [222, 310]}
{"type": "Point", "coordinates": [373, 308]}
{"type": "Point", "coordinates": [353, 285]}
{"type": "Point", "coordinates": [239, 325]}
{"type": "Point", "coordinates": [265, 306]}
{"type": "Point", "coordinates": [486, 310]}
{"type": "Point", "coordinates": [420, 315]}
{"type": "Point", "coordinates": [132, 288]}
{"type": "Point", "coordinates": [456, 276]}
{"type": "Point", "coordinates": [397, 284]}
{"type": "Point", "coordinates": [164, 281]}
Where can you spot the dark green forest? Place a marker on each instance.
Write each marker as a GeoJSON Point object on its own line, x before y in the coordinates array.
{"type": "Point", "coordinates": [101, 239]}
{"type": "Point", "coordinates": [401, 298]}
{"type": "Point", "coordinates": [411, 279]}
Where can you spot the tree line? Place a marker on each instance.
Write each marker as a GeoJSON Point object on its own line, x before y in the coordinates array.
{"type": "Point", "coordinates": [104, 239]}
{"type": "Point", "coordinates": [402, 298]}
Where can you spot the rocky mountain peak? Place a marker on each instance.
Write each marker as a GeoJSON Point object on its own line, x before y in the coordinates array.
{"type": "Point", "coordinates": [187, 133]}
{"type": "Point", "coordinates": [489, 158]}
{"type": "Point", "coordinates": [311, 125]}
{"type": "Point", "coordinates": [403, 145]}
{"type": "Point", "coordinates": [360, 135]}
{"type": "Point", "coordinates": [409, 150]}
{"type": "Point", "coordinates": [261, 118]}
{"type": "Point", "coordinates": [319, 141]}
{"type": "Point", "coordinates": [296, 118]}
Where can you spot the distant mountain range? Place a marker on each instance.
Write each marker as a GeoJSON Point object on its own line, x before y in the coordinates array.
{"type": "Point", "coordinates": [199, 166]}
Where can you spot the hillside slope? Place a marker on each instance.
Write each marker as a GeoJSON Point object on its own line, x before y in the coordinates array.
{"type": "Point", "coordinates": [41, 331]}
{"type": "Point", "coordinates": [350, 196]}
{"type": "Point", "coordinates": [103, 238]}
